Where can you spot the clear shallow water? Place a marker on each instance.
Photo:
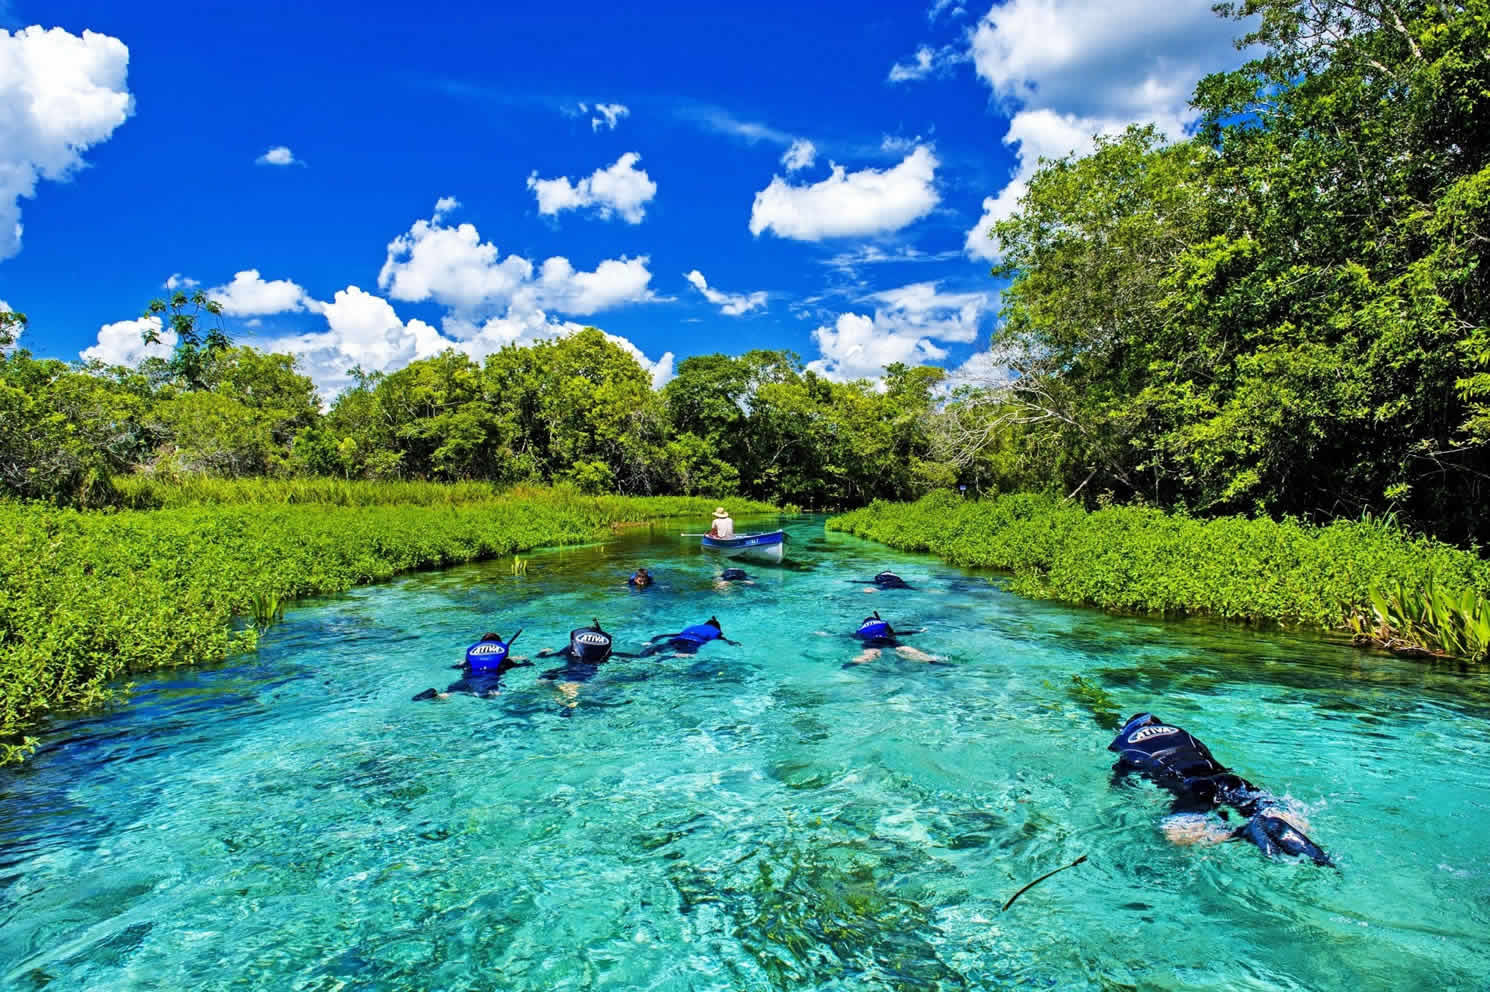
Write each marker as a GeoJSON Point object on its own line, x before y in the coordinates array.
{"type": "Point", "coordinates": [752, 818]}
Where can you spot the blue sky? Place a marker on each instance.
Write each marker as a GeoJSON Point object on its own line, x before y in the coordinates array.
{"type": "Point", "coordinates": [366, 184]}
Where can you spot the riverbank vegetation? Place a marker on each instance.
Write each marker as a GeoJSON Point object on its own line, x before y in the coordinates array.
{"type": "Point", "coordinates": [577, 410]}
{"type": "Point", "coordinates": [1362, 577]}
{"type": "Point", "coordinates": [1286, 314]}
{"type": "Point", "coordinates": [87, 598]}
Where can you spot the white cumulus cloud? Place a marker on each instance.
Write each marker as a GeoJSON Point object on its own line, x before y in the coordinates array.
{"type": "Point", "coordinates": [250, 295]}
{"type": "Point", "coordinates": [938, 7]}
{"type": "Point", "coordinates": [278, 155]}
{"type": "Point", "coordinates": [362, 330]}
{"type": "Point", "coordinates": [905, 326]}
{"type": "Point", "coordinates": [122, 342]}
{"type": "Point", "coordinates": [610, 116]}
{"type": "Point", "coordinates": [178, 281]}
{"type": "Point", "coordinates": [60, 94]}
{"type": "Point", "coordinates": [799, 155]}
{"type": "Point", "coordinates": [454, 267]}
{"type": "Point", "coordinates": [1066, 70]}
{"type": "Point", "coordinates": [729, 304]}
{"type": "Point", "coordinates": [621, 189]}
{"type": "Point", "coordinates": [859, 347]}
{"type": "Point", "coordinates": [450, 265]}
{"type": "Point", "coordinates": [919, 68]}
{"type": "Point", "coordinates": [614, 283]}
{"type": "Point", "coordinates": [445, 205]}
{"type": "Point", "coordinates": [944, 316]}
{"type": "Point", "coordinates": [848, 204]}
{"type": "Point", "coordinates": [491, 302]}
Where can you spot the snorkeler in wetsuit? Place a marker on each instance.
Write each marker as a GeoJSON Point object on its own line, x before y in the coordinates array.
{"type": "Point", "coordinates": [486, 662]}
{"type": "Point", "coordinates": [734, 575]}
{"type": "Point", "coordinates": [688, 640]}
{"type": "Point", "coordinates": [878, 633]}
{"type": "Point", "coordinates": [588, 649]}
{"type": "Point", "coordinates": [885, 580]}
{"type": "Point", "coordinates": [1171, 758]}
{"type": "Point", "coordinates": [640, 579]}
{"type": "Point", "coordinates": [875, 633]}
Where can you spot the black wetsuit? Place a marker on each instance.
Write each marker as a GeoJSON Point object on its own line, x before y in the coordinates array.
{"type": "Point", "coordinates": [734, 575]}
{"type": "Point", "coordinates": [588, 649]}
{"type": "Point", "coordinates": [884, 580]}
{"type": "Point", "coordinates": [485, 682]}
{"type": "Point", "coordinates": [1175, 760]}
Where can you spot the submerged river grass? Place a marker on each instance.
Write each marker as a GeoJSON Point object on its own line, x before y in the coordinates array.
{"type": "Point", "coordinates": [752, 818]}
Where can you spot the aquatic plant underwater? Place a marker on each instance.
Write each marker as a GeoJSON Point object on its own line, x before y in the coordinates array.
{"type": "Point", "coordinates": [756, 817]}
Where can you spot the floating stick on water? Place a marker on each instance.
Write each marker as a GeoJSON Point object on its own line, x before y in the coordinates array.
{"type": "Point", "coordinates": [1039, 880]}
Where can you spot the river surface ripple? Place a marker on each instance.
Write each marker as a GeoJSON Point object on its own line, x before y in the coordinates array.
{"type": "Point", "coordinates": [750, 818]}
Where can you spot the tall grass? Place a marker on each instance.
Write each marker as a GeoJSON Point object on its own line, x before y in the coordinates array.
{"type": "Point", "coordinates": [87, 598]}
{"type": "Point", "coordinates": [156, 492]}
{"type": "Point", "coordinates": [1141, 560]}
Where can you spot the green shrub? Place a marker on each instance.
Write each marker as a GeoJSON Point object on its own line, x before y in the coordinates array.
{"type": "Point", "coordinates": [89, 598]}
{"type": "Point", "coordinates": [1141, 560]}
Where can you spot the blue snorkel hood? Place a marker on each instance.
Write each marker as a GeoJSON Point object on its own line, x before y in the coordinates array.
{"type": "Point", "coordinates": [873, 628]}
{"type": "Point", "coordinates": [488, 654]}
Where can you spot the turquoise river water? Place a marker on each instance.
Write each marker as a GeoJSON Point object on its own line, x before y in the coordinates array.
{"type": "Point", "coordinates": [756, 817]}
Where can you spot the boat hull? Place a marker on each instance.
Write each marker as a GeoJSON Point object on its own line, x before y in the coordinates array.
{"type": "Point", "coordinates": [761, 547]}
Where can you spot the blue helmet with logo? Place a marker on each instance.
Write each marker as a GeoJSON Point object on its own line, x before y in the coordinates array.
{"type": "Point", "coordinates": [486, 655]}
{"type": "Point", "coordinates": [873, 628]}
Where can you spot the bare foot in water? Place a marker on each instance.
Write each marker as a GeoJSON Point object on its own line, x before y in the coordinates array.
{"type": "Point", "coordinates": [906, 651]}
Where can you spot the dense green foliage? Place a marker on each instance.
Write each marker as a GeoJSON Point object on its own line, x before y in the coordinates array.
{"type": "Point", "coordinates": [1141, 560]}
{"type": "Point", "coordinates": [1288, 313]}
{"type": "Point", "coordinates": [87, 598]}
{"type": "Point", "coordinates": [577, 409]}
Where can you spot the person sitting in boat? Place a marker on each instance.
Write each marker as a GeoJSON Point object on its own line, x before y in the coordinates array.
{"type": "Point", "coordinates": [876, 634]}
{"type": "Point", "coordinates": [724, 527]}
{"type": "Point", "coordinates": [884, 580]}
{"type": "Point", "coordinates": [688, 640]}
{"type": "Point", "coordinates": [486, 662]}
{"type": "Point", "coordinates": [1171, 758]}
{"type": "Point", "coordinates": [640, 579]}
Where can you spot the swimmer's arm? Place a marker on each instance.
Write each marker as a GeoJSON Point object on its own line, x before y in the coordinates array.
{"type": "Point", "coordinates": [549, 652]}
{"type": "Point", "coordinates": [734, 644]}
